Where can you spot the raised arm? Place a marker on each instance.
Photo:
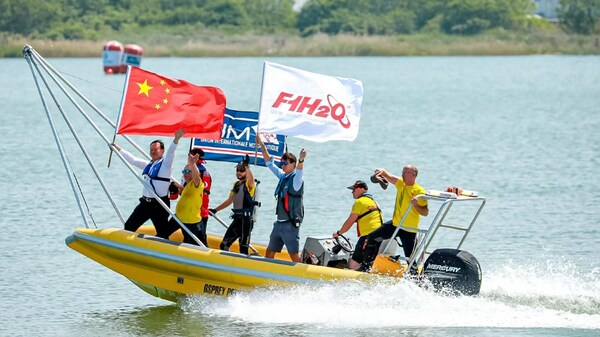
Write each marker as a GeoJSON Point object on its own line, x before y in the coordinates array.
{"type": "Point", "coordinates": [249, 174]}
{"type": "Point", "coordinates": [263, 148]}
{"type": "Point", "coordinates": [388, 176]}
{"type": "Point", "coordinates": [192, 160]}
{"type": "Point", "coordinates": [299, 176]}
{"type": "Point", "coordinates": [300, 164]}
{"type": "Point", "coordinates": [170, 153]}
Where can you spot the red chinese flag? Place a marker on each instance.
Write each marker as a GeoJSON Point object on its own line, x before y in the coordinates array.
{"type": "Point", "coordinates": [159, 106]}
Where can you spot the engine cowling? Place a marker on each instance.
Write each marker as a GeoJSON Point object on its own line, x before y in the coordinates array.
{"type": "Point", "coordinates": [453, 270]}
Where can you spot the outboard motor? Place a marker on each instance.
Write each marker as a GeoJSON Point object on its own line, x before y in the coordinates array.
{"type": "Point", "coordinates": [454, 270]}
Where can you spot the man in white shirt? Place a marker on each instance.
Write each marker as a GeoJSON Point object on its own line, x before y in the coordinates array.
{"type": "Point", "coordinates": [156, 173]}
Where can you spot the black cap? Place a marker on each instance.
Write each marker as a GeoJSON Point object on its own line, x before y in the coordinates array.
{"type": "Point", "coordinates": [197, 151]}
{"type": "Point", "coordinates": [357, 184]}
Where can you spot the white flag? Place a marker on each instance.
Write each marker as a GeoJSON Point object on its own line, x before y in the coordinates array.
{"type": "Point", "coordinates": [308, 105]}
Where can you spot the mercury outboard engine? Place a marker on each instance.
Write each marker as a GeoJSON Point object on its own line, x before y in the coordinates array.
{"type": "Point", "coordinates": [454, 270]}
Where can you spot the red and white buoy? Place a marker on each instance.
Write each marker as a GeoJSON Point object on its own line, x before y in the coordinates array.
{"type": "Point", "coordinates": [111, 57]}
{"type": "Point", "coordinates": [132, 56]}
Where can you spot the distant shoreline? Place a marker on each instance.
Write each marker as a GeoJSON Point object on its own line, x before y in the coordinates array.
{"type": "Point", "coordinates": [281, 45]}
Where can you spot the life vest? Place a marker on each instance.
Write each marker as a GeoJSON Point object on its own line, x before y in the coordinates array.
{"type": "Point", "coordinates": [151, 170]}
{"type": "Point", "coordinates": [207, 179]}
{"type": "Point", "coordinates": [243, 203]}
{"type": "Point", "coordinates": [290, 202]}
{"type": "Point", "coordinates": [376, 209]}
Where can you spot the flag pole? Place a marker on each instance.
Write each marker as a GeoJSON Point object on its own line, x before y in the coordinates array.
{"type": "Point", "coordinates": [262, 86]}
{"type": "Point", "coordinates": [125, 86]}
{"type": "Point", "coordinates": [111, 149]}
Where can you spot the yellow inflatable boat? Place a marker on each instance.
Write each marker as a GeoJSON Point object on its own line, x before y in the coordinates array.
{"type": "Point", "coordinates": [170, 269]}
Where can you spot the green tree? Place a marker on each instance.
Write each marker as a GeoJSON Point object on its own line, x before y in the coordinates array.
{"type": "Point", "coordinates": [426, 10]}
{"type": "Point", "coordinates": [363, 17]}
{"type": "Point", "coordinates": [271, 15]}
{"type": "Point", "coordinates": [579, 16]}
{"type": "Point", "coordinates": [27, 16]}
{"type": "Point", "coordinates": [468, 17]}
{"type": "Point", "coordinates": [225, 12]}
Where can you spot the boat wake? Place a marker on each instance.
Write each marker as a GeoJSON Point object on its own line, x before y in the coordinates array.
{"type": "Point", "coordinates": [557, 286]}
{"type": "Point", "coordinates": [511, 297]}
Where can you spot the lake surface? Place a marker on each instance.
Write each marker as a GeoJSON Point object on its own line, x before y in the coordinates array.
{"type": "Point", "coordinates": [522, 131]}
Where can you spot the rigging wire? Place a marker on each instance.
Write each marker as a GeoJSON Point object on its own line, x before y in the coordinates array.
{"type": "Point", "coordinates": [27, 53]}
{"type": "Point", "coordinates": [87, 207]}
{"type": "Point", "coordinates": [74, 133]}
{"type": "Point", "coordinates": [35, 59]}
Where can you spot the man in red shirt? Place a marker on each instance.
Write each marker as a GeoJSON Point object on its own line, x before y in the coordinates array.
{"type": "Point", "coordinates": [206, 178]}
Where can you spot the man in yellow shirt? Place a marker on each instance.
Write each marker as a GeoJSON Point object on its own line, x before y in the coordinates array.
{"type": "Point", "coordinates": [407, 190]}
{"type": "Point", "coordinates": [188, 206]}
{"type": "Point", "coordinates": [367, 215]}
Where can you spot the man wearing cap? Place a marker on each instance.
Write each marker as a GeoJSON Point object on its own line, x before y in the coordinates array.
{"type": "Point", "coordinates": [157, 173]}
{"type": "Point", "coordinates": [367, 215]}
{"type": "Point", "coordinates": [407, 190]}
{"type": "Point", "coordinates": [242, 198]}
{"type": "Point", "coordinates": [207, 180]}
{"type": "Point", "coordinates": [290, 206]}
{"type": "Point", "coordinates": [188, 206]}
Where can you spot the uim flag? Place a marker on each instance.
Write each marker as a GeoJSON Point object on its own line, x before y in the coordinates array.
{"type": "Point", "coordinates": [237, 140]}
{"type": "Point", "coordinates": [156, 105]}
{"type": "Point", "coordinates": [308, 105]}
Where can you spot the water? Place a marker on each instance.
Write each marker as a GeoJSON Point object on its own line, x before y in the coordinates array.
{"type": "Point", "coordinates": [520, 130]}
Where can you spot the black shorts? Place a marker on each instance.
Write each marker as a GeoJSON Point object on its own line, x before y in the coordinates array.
{"type": "Point", "coordinates": [359, 249]}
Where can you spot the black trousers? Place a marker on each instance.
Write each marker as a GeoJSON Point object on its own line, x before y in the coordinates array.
{"type": "Point", "coordinates": [193, 227]}
{"type": "Point", "coordinates": [150, 210]}
{"type": "Point", "coordinates": [375, 238]}
{"type": "Point", "coordinates": [202, 236]}
{"type": "Point", "coordinates": [240, 228]}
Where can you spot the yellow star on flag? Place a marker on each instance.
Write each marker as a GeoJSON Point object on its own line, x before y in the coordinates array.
{"type": "Point", "coordinates": [144, 88]}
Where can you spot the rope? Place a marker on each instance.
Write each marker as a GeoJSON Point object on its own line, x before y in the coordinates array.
{"type": "Point", "coordinates": [87, 207]}
{"type": "Point", "coordinates": [330, 156]}
{"type": "Point", "coordinates": [90, 82]}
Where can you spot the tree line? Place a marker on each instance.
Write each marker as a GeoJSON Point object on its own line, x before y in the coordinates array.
{"type": "Point", "coordinates": [98, 19]}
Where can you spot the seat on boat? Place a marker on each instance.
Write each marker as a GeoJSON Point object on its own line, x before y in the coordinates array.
{"type": "Point", "coordinates": [391, 249]}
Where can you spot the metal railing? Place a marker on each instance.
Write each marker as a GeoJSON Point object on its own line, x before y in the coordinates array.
{"type": "Point", "coordinates": [425, 236]}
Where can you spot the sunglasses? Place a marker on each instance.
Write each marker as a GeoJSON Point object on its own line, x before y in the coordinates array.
{"type": "Point", "coordinates": [240, 170]}
{"type": "Point", "coordinates": [284, 162]}
{"type": "Point", "coordinates": [186, 171]}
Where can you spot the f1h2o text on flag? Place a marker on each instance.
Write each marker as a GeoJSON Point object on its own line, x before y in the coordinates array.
{"type": "Point", "coordinates": [308, 105]}
{"type": "Point", "coordinates": [156, 105]}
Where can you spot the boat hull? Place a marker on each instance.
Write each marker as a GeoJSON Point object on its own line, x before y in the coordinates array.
{"type": "Point", "coordinates": [169, 269]}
